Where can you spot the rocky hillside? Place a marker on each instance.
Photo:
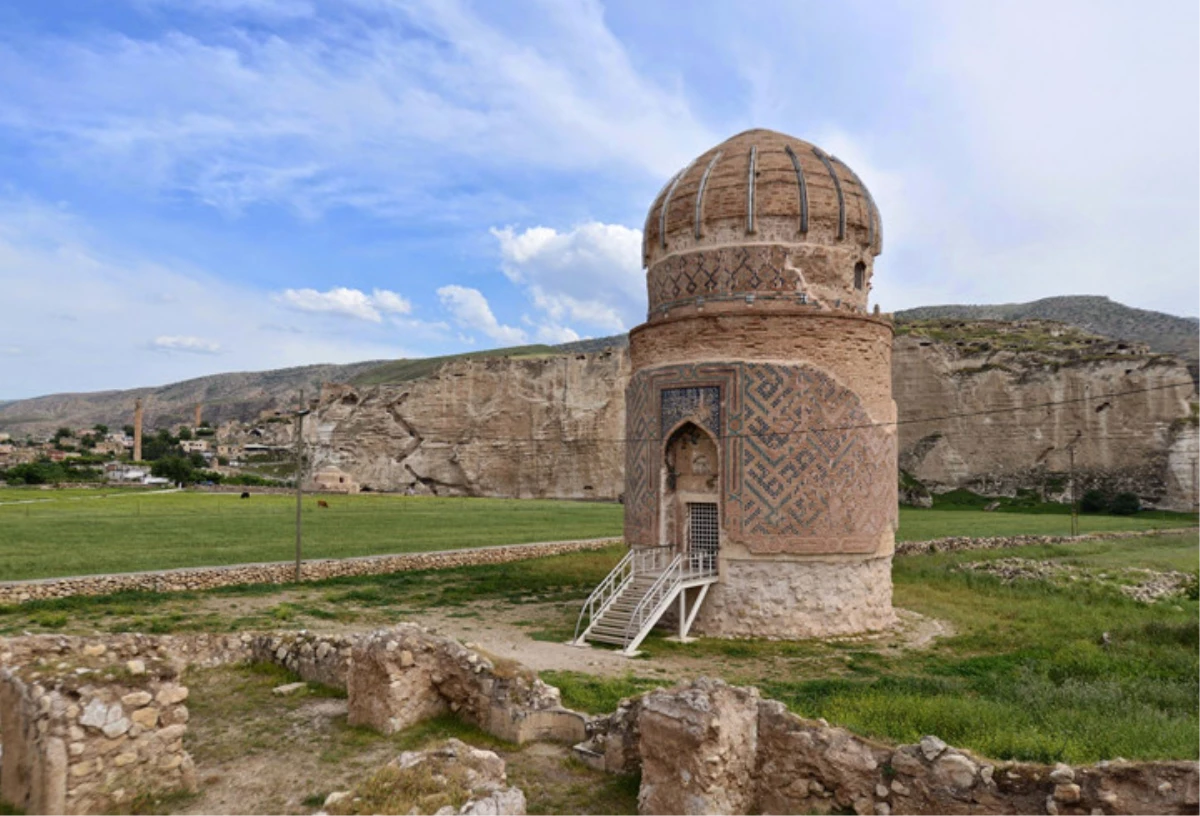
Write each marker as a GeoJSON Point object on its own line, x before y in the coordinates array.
{"type": "Point", "coordinates": [1096, 314]}
{"type": "Point", "coordinates": [994, 406]}
{"type": "Point", "coordinates": [237, 396]}
{"type": "Point", "coordinates": [544, 426]}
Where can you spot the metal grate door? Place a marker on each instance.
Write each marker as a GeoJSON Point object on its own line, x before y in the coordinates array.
{"type": "Point", "coordinates": [703, 535]}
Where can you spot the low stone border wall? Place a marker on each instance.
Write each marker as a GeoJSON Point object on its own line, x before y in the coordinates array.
{"type": "Point", "coordinates": [958, 543]}
{"type": "Point", "coordinates": [283, 572]}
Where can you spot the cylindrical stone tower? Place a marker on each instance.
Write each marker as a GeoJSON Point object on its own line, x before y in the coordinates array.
{"type": "Point", "coordinates": [760, 413]}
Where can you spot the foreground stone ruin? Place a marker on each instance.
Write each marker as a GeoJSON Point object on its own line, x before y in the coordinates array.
{"type": "Point", "coordinates": [453, 773]}
{"type": "Point", "coordinates": [89, 724]}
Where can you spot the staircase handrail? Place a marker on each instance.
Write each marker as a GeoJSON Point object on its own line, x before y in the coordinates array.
{"type": "Point", "coordinates": [662, 586]}
{"type": "Point", "coordinates": [607, 590]}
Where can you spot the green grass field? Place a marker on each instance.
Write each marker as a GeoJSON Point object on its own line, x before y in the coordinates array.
{"type": "Point", "coordinates": [78, 535]}
{"type": "Point", "coordinates": [80, 532]}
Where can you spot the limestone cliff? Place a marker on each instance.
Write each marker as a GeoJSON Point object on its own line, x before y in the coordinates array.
{"type": "Point", "coordinates": [523, 427]}
{"type": "Point", "coordinates": [551, 426]}
{"type": "Point", "coordinates": [957, 384]}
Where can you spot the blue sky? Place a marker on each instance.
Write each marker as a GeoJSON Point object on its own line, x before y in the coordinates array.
{"type": "Point", "coordinates": [195, 186]}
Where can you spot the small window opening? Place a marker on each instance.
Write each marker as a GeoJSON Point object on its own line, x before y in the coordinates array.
{"type": "Point", "coordinates": [860, 275]}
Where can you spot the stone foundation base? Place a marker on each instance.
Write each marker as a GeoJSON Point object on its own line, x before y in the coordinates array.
{"type": "Point", "coordinates": [798, 599]}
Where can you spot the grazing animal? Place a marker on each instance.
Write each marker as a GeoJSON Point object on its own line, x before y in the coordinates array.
{"type": "Point", "coordinates": [245, 494]}
{"type": "Point", "coordinates": [322, 503]}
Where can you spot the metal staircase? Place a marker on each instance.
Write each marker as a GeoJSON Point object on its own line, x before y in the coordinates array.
{"type": "Point", "coordinates": [628, 603]}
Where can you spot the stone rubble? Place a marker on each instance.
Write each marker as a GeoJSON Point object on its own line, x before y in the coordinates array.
{"type": "Point", "coordinates": [1151, 585]}
{"type": "Point", "coordinates": [475, 774]}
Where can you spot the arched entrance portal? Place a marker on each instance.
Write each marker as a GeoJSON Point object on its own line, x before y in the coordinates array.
{"type": "Point", "coordinates": [691, 495]}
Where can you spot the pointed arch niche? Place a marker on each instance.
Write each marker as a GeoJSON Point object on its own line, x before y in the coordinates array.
{"type": "Point", "coordinates": [690, 487]}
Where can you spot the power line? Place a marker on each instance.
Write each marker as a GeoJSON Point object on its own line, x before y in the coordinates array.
{"type": "Point", "coordinates": [797, 432]}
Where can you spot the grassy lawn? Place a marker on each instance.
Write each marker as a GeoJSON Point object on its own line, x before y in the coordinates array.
{"type": "Point", "coordinates": [920, 525]}
{"type": "Point", "coordinates": [47, 533]}
{"type": "Point", "coordinates": [76, 534]}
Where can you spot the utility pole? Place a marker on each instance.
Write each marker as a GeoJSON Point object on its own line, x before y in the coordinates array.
{"type": "Point", "coordinates": [1195, 485]}
{"type": "Point", "coordinates": [300, 412]}
{"type": "Point", "coordinates": [1074, 486]}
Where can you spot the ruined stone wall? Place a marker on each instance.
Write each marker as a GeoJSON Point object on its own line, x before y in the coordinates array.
{"type": "Point", "coordinates": [87, 726]}
{"type": "Point", "coordinates": [547, 427]}
{"type": "Point", "coordinates": [711, 748]}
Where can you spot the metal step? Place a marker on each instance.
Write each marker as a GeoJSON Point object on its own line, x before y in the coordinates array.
{"type": "Point", "coordinates": [614, 640]}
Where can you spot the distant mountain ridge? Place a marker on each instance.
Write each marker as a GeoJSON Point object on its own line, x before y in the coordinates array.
{"type": "Point", "coordinates": [1164, 333]}
{"type": "Point", "coordinates": [238, 395]}
{"type": "Point", "coordinates": [243, 395]}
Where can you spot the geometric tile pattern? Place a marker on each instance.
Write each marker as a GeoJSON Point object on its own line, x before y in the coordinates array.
{"type": "Point", "coordinates": [802, 470]}
{"type": "Point", "coordinates": [701, 405]}
{"type": "Point", "coordinates": [729, 270]}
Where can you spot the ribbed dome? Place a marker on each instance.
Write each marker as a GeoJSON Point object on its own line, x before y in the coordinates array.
{"type": "Point", "coordinates": [761, 186]}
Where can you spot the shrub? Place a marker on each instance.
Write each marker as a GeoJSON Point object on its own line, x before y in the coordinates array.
{"type": "Point", "coordinates": [1191, 589]}
{"type": "Point", "coordinates": [1124, 504]}
{"type": "Point", "coordinates": [1094, 501]}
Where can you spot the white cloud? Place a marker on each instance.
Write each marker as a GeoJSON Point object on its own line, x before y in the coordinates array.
{"type": "Point", "coordinates": [191, 345]}
{"type": "Point", "coordinates": [591, 275]}
{"type": "Point", "coordinates": [471, 311]}
{"type": "Point", "coordinates": [1068, 154]}
{"type": "Point", "coordinates": [92, 308]}
{"type": "Point", "coordinates": [347, 302]}
{"type": "Point", "coordinates": [552, 334]}
{"type": "Point", "coordinates": [394, 110]}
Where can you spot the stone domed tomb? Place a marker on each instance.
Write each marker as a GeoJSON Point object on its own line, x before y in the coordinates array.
{"type": "Point", "coordinates": [760, 474]}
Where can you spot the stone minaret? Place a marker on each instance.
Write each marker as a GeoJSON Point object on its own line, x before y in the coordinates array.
{"type": "Point", "coordinates": [199, 410]}
{"type": "Point", "coordinates": [760, 421]}
{"type": "Point", "coordinates": [137, 431]}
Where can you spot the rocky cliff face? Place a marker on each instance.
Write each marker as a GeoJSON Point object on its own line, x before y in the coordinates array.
{"type": "Point", "coordinates": [542, 427]}
{"type": "Point", "coordinates": [551, 426]}
{"type": "Point", "coordinates": [959, 429]}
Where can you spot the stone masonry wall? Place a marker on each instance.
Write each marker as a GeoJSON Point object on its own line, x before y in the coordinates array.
{"type": "Point", "coordinates": [201, 578]}
{"type": "Point", "coordinates": [799, 599]}
{"type": "Point", "coordinates": [405, 674]}
{"type": "Point", "coordinates": [86, 727]}
{"type": "Point", "coordinates": [710, 748]}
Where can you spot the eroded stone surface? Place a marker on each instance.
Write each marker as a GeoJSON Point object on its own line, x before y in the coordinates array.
{"type": "Point", "coordinates": [403, 675]}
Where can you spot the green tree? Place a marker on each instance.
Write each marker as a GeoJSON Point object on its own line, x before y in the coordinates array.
{"type": "Point", "coordinates": [178, 469]}
{"type": "Point", "coordinates": [1124, 504]}
{"type": "Point", "coordinates": [160, 446]}
{"type": "Point", "coordinates": [1094, 501]}
{"type": "Point", "coordinates": [185, 433]}
{"type": "Point", "coordinates": [62, 433]}
{"type": "Point", "coordinates": [128, 429]}
{"type": "Point", "coordinates": [100, 428]}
